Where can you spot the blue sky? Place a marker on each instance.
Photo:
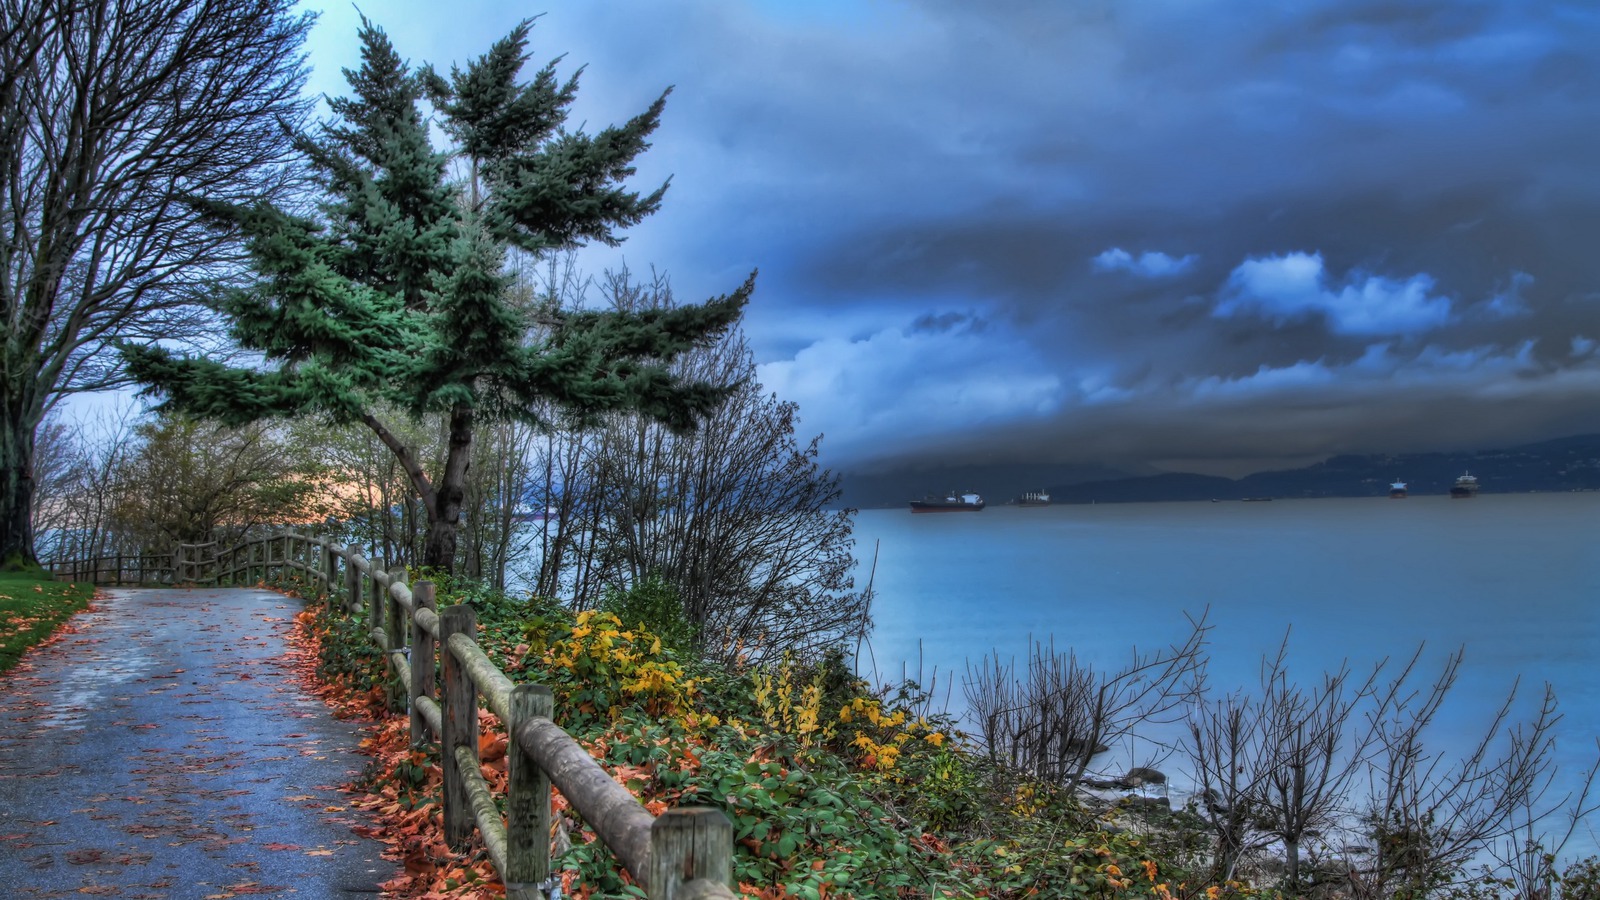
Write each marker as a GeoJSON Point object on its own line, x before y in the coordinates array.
{"type": "Point", "coordinates": [1213, 236]}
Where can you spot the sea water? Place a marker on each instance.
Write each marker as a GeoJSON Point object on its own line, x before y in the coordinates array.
{"type": "Point", "coordinates": [1513, 580]}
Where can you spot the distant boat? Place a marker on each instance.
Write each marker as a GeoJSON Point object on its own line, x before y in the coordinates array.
{"type": "Point", "coordinates": [951, 502]}
{"type": "Point", "coordinates": [1256, 499]}
{"type": "Point", "coordinates": [1034, 498]}
{"type": "Point", "coordinates": [527, 512]}
{"type": "Point", "coordinates": [1466, 486]}
{"type": "Point", "coordinates": [1397, 490]}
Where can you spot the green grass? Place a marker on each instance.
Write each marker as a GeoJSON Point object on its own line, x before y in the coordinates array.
{"type": "Point", "coordinates": [31, 608]}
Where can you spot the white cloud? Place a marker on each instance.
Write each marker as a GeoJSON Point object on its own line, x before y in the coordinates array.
{"type": "Point", "coordinates": [1381, 368]}
{"type": "Point", "coordinates": [897, 387]}
{"type": "Point", "coordinates": [1150, 264]}
{"type": "Point", "coordinates": [1295, 286]}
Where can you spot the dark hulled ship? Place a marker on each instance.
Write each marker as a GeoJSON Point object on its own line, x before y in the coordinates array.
{"type": "Point", "coordinates": [967, 501]}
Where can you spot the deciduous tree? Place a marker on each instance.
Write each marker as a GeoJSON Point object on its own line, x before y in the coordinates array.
{"type": "Point", "coordinates": [113, 114]}
{"type": "Point", "coordinates": [737, 517]}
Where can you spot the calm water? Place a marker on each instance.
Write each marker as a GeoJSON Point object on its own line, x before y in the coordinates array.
{"type": "Point", "coordinates": [1515, 579]}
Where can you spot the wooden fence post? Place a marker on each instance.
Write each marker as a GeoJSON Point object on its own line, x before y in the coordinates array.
{"type": "Point", "coordinates": [330, 568]}
{"type": "Point", "coordinates": [422, 663]}
{"type": "Point", "coordinates": [375, 602]}
{"type": "Point", "coordinates": [352, 580]}
{"type": "Point", "coordinates": [394, 632]}
{"type": "Point", "coordinates": [527, 800]}
{"type": "Point", "coordinates": [460, 720]}
{"type": "Point", "coordinates": [283, 557]}
{"type": "Point", "coordinates": [687, 844]}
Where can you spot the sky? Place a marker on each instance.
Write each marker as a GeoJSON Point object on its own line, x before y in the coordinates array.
{"type": "Point", "coordinates": [1192, 235]}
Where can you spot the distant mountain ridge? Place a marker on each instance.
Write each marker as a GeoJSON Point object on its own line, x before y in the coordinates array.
{"type": "Point", "coordinates": [1562, 464]}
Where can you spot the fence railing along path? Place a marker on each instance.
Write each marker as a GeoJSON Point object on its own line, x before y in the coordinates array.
{"type": "Point", "coordinates": [683, 854]}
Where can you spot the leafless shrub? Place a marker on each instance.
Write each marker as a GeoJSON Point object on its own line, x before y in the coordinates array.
{"type": "Point", "coordinates": [1429, 814]}
{"type": "Point", "coordinates": [1051, 723]}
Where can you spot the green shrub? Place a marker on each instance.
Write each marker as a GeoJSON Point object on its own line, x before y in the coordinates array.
{"type": "Point", "coordinates": [653, 605]}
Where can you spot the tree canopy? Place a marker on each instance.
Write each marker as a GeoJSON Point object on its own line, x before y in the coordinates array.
{"type": "Point", "coordinates": [111, 114]}
{"type": "Point", "coordinates": [394, 293]}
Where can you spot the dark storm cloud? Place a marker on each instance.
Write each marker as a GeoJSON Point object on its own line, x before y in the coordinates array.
{"type": "Point", "coordinates": [1161, 231]}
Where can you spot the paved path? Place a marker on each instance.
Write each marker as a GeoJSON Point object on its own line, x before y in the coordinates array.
{"type": "Point", "coordinates": [165, 752]}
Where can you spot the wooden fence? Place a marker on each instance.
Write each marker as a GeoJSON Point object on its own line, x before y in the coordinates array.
{"type": "Point", "coordinates": [684, 854]}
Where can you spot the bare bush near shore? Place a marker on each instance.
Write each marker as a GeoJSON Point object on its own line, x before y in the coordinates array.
{"type": "Point", "coordinates": [1278, 766]}
{"type": "Point", "coordinates": [1430, 814]}
{"type": "Point", "coordinates": [1314, 750]}
{"type": "Point", "coordinates": [1527, 856]}
{"type": "Point", "coordinates": [1051, 723]}
{"type": "Point", "coordinates": [1230, 761]}
{"type": "Point", "coordinates": [1343, 760]}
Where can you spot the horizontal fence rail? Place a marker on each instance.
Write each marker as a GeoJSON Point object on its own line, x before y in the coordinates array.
{"type": "Point", "coordinates": [683, 854]}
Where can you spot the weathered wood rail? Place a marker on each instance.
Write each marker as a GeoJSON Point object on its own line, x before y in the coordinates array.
{"type": "Point", "coordinates": [188, 564]}
{"type": "Point", "coordinates": [683, 854]}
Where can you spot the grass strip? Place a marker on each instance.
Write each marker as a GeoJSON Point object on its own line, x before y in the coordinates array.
{"type": "Point", "coordinates": [32, 607]}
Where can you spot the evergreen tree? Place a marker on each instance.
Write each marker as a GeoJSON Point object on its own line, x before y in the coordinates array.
{"type": "Point", "coordinates": [396, 293]}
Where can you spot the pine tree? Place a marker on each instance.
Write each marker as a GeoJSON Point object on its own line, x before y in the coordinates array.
{"type": "Point", "coordinates": [395, 296]}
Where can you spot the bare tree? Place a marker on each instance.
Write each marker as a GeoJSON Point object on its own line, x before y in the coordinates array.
{"type": "Point", "coordinates": [1052, 724]}
{"type": "Point", "coordinates": [114, 114]}
{"type": "Point", "coordinates": [1430, 812]}
{"type": "Point", "coordinates": [1528, 854]}
{"type": "Point", "coordinates": [735, 516]}
{"type": "Point", "coordinates": [78, 466]}
{"type": "Point", "coordinates": [1314, 747]}
{"type": "Point", "coordinates": [1230, 763]}
{"type": "Point", "coordinates": [366, 489]}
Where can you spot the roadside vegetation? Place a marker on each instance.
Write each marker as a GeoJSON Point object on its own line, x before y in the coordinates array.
{"type": "Point", "coordinates": [835, 788]}
{"type": "Point", "coordinates": [33, 607]}
{"type": "Point", "coordinates": [840, 788]}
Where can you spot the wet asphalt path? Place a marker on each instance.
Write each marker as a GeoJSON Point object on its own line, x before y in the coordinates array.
{"type": "Point", "coordinates": [165, 751]}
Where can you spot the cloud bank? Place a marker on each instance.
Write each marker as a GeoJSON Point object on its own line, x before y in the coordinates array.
{"type": "Point", "coordinates": [1153, 232]}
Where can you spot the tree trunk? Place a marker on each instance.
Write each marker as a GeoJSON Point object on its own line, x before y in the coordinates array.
{"type": "Point", "coordinates": [439, 552]}
{"type": "Point", "coordinates": [16, 489]}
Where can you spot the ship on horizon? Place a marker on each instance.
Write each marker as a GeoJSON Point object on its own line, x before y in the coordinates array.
{"type": "Point", "coordinates": [967, 501]}
{"type": "Point", "coordinates": [1033, 498]}
{"type": "Point", "coordinates": [1466, 486]}
{"type": "Point", "coordinates": [1397, 490]}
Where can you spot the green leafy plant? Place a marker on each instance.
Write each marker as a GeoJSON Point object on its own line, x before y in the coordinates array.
{"type": "Point", "coordinates": [653, 605]}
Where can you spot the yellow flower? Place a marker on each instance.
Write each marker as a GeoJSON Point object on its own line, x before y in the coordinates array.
{"type": "Point", "coordinates": [935, 738]}
{"type": "Point", "coordinates": [1150, 869]}
{"type": "Point", "coordinates": [1213, 892]}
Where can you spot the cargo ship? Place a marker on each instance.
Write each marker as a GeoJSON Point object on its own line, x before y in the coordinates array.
{"type": "Point", "coordinates": [1397, 490]}
{"type": "Point", "coordinates": [1034, 498]}
{"type": "Point", "coordinates": [1465, 486]}
{"type": "Point", "coordinates": [968, 501]}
